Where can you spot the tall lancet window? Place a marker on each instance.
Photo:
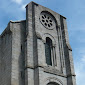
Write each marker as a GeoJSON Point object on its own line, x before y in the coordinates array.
{"type": "Point", "coordinates": [50, 52]}
{"type": "Point", "coordinates": [48, 49]}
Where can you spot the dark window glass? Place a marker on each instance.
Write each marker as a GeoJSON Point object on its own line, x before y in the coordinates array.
{"type": "Point", "coordinates": [48, 48]}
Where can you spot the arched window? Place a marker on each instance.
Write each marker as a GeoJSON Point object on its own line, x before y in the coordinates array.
{"type": "Point", "coordinates": [50, 52]}
{"type": "Point", "coordinates": [48, 49]}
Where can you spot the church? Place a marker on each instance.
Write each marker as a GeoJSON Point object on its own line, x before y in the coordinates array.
{"type": "Point", "coordinates": [36, 51]}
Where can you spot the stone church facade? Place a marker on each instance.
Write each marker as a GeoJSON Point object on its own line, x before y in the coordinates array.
{"type": "Point", "coordinates": [36, 51]}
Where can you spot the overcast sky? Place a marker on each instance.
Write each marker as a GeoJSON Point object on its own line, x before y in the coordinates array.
{"type": "Point", "coordinates": [73, 10]}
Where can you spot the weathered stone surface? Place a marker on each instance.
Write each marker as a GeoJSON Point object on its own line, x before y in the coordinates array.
{"type": "Point", "coordinates": [22, 50]}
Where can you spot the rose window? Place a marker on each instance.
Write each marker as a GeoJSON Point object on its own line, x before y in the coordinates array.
{"type": "Point", "coordinates": [47, 20]}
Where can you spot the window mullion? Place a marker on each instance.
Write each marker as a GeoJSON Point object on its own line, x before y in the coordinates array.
{"type": "Point", "coordinates": [52, 57]}
{"type": "Point", "coordinates": [55, 56]}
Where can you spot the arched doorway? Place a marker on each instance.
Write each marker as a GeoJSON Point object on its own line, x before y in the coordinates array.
{"type": "Point", "coordinates": [53, 83]}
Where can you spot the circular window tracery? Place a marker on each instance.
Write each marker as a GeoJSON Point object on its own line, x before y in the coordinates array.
{"type": "Point", "coordinates": [47, 20]}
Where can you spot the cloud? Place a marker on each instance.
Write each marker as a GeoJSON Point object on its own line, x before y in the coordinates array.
{"type": "Point", "coordinates": [80, 65]}
{"type": "Point", "coordinates": [17, 1]}
{"type": "Point", "coordinates": [83, 59]}
{"type": "Point", "coordinates": [23, 7]}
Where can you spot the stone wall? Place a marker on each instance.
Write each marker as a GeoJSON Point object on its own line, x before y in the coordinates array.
{"type": "Point", "coordinates": [18, 52]}
{"type": "Point", "coordinates": [22, 50]}
{"type": "Point", "coordinates": [5, 57]}
{"type": "Point", "coordinates": [36, 38]}
{"type": "Point", "coordinates": [12, 54]}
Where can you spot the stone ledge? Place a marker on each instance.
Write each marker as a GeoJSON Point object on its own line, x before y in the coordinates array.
{"type": "Point", "coordinates": [54, 71]}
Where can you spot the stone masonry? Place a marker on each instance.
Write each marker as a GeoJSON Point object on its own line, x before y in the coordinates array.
{"type": "Point", "coordinates": [24, 50]}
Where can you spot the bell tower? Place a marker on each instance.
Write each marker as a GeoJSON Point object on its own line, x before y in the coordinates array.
{"type": "Point", "coordinates": [48, 55]}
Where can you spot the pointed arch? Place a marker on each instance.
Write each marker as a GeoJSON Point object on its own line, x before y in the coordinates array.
{"type": "Point", "coordinates": [53, 81]}
{"type": "Point", "coordinates": [50, 36]}
{"type": "Point", "coordinates": [50, 49]}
